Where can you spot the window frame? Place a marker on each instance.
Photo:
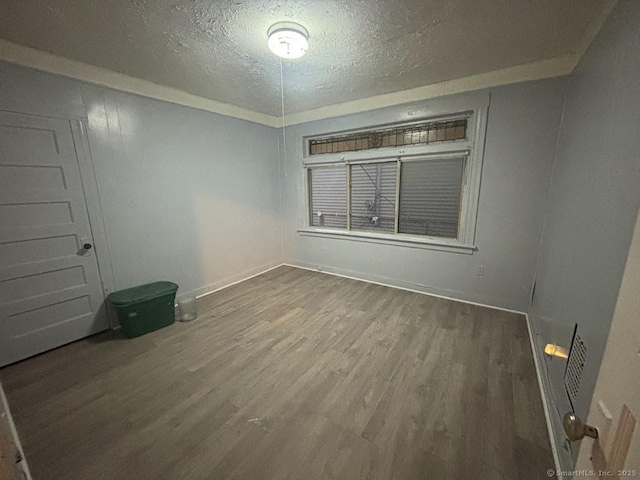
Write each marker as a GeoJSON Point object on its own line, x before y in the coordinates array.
{"type": "Point", "coordinates": [472, 148]}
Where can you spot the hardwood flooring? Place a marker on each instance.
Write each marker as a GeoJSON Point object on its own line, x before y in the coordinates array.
{"type": "Point", "coordinates": [291, 375]}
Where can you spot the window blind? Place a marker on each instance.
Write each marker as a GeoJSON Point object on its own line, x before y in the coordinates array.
{"type": "Point", "coordinates": [328, 195]}
{"type": "Point", "coordinates": [373, 196]}
{"type": "Point", "coordinates": [430, 193]}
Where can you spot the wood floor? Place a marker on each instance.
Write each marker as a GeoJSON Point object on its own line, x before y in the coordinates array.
{"type": "Point", "coordinates": [291, 375]}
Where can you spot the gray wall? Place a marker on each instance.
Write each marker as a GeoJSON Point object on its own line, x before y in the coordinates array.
{"type": "Point", "coordinates": [186, 195]}
{"type": "Point", "coordinates": [522, 129]}
{"type": "Point", "coordinates": [594, 199]}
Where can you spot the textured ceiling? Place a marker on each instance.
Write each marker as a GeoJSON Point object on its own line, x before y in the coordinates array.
{"type": "Point", "coordinates": [357, 48]}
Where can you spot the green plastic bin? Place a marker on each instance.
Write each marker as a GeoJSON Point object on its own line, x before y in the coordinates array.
{"type": "Point", "coordinates": [145, 308]}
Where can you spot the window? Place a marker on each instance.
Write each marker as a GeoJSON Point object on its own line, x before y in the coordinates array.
{"type": "Point", "coordinates": [430, 197]}
{"type": "Point", "coordinates": [373, 197]}
{"type": "Point", "coordinates": [426, 201]}
{"type": "Point", "coordinates": [328, 188]}
{"type": "Point", "coordinates": [415, 134]}
{"type": "Point", "coordinates": [414, 183]}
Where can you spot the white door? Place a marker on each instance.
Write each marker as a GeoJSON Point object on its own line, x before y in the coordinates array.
{"type": "Point", "coordinates": [615, 406]}
{"type": "Point", "coordinates": [50, 290]}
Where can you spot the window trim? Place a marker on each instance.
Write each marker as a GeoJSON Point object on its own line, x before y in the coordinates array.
{"type": "Point", "coordinates": [402, 239]}
{"type": "Point", "coordinates": [473, 147]}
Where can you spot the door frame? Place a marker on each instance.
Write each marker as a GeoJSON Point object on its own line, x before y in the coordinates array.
{"type": "Point", "coordinates": [94, 210]}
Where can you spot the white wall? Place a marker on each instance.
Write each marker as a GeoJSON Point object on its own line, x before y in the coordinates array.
{"type": "Point", "coordinates": [521, 137]}
{"type": "Point", "coordinates": [593, 203]}
{"type": "Point", "coordinates": [187, 196]}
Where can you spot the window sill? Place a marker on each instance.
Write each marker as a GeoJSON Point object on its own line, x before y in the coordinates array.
{"type": "Point", "coordinates": [429, 243]}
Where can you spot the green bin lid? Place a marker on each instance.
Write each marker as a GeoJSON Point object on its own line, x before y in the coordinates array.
{"type": "Point", "coordinates": [142, 293]}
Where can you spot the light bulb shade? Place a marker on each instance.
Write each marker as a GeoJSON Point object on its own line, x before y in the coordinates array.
{"type": "Point", "coordinates": [288, 40]}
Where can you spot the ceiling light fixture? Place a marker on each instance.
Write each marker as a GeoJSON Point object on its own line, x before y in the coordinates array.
{"type": "Point", "coordinates": [288, 39]}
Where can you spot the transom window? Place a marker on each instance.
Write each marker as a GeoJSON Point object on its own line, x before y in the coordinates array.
{"type": "Point", "coordinates": [423, 133]}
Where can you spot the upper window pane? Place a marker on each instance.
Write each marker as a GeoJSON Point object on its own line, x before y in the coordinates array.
{"type": "Point", "coordinates": [328, 187]}
{"type": "Point", "coordinates": [430, 192]}
{"type": "Point", "coordinates": [373, 196]}
{"type": "Point", "coordinates": [417, 134]}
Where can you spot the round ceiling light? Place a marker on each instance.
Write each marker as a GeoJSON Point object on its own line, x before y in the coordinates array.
{"type": "Point", "coordinates": [288, 39]}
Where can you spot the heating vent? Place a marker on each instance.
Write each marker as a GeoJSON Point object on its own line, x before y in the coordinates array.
{"type": "Point", "coordinates": [575, 367]}
{"type": "Point", "coordinates": [417, 134]}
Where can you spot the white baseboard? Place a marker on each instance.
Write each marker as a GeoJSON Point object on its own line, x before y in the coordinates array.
{"type": "Point", "coordinates": [543, 385]}
{"type": "Point", "coordinates": [6, 412]}
{"type": "Point", "coordinates": [230, 281]}
{"type": "Point", "coordinates": [400, 285]}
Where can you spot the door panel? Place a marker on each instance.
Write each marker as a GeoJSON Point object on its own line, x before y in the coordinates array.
{"type": "Point", "coordinates": [50, 290]}
{"type": "Point", "coordinates": [42, 212]}
{"type": "Point", "coordinates": [615, 405]}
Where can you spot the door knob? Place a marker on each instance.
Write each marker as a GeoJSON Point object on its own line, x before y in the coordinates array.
{"type": "Point", "coordinates": [87, 246]}
{"type": "Point", "coordinates": [575, 429]}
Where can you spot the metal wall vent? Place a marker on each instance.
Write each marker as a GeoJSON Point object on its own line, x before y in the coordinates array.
{"type": "Point", "coordinates": [575, 367]}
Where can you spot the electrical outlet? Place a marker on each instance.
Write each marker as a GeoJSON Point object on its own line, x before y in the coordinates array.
{"type": "Point", "coordinates": [480, 270]}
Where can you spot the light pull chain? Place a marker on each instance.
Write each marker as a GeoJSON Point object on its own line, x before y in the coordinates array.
{"type": "Point", "coordinates": [284, 130]}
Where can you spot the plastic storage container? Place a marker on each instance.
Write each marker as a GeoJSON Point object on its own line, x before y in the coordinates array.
{"type": "Point", "coordinates": [188, 309]}
{"type": "Point", "coordinates": [145, 308]}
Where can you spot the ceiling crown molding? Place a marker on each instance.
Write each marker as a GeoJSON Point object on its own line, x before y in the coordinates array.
{"type": "Point", "coordinates": [594, 28]}
{"type": "Point", "coordinates": [52, 63]}
{"type": "Point", "coordinates": [553, 67]}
